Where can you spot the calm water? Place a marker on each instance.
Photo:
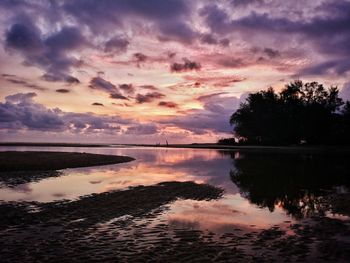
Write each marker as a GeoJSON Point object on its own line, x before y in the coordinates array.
{"type": "Point", "coordinates": [261, 189]}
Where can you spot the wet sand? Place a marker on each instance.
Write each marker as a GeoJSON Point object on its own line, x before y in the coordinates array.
{"type": "Point", "coordinates": [22, 167]}
{"type": "Point", "coordinates": [42, 161]}
{"type": "Point", "coordinates": [122, 226]}
{"type": "Point", "coordinates": [130, 226]}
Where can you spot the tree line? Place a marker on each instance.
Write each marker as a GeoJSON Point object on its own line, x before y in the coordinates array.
{"type": "Point", "coordinates": [300, 113]}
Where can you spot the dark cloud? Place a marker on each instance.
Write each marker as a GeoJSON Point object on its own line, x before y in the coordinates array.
{"type": "Point", "coordinates": [72, 80]}
{"type": "Point", "coordinates": [118, 96]}
{"type": "Point", "coordinates": [103, 16]}
{"type": "Point", "coordinates": [62, 90]}
{"type": "Point", "coordinates": [99, 83]}
{"type": "Point", "coordinates": [68, 38]}
{"type": "Point", "coordinates": [336, 66]}
{"type": "Point", "coordinates": [177, 31]}
{"type": "Point", "coordinates": [271, 53]}
{"type": "Point", "coordinates": [145, 129]}
{"type": "Point", "coordinates": [245, 3]}
{"type": "Point", "coordinates": [148, 97]}
{"type": "Point", "coordinates": [139, 57]}
{"type": "Point", "coordinates": [50, 53]}
{"type": "Point", "coordinates": [97, 104]}
{"type": "Point", "coordinates": [22, 82]}
{"type": "Point", "coordinates": [24, 38]}
{"type": "Point", "coordinates": [168, 104]}
{"type": "Point", "coordinates": [188, 65]}
{"type": "Point", "coordinates": [58, 78]}
{"type": "Point", "coordinates": [116, 44]}
{"type": "Point", "coordinates": [127, 88]}
{"type": "Point", "coordinates": [326, 32]}
{"type": "Point", "coordinates": [21, 112]}
{"type": "Point", "coordinates": [211, 40]}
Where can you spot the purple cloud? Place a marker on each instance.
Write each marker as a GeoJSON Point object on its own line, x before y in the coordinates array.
{"type": "Point", "coordinates": [188, 65]}
{"type": "Point", "coordinates": [116, 44]}
{"type": "Point", "coordinates": [21, 112]}
{"type": "Point", "coordinates": [49, 53]}
{"type": "Point", "coordinates": [142, 129]}
{"type": "Point", "coordinates": [62, 90]}
{"type": "Point", "coordinates": [148, 97]}
{"type": "Point", "coordinates": [168, 104]}
{"type": "Point", "coordinates": [217, 109]}
{"type": "Point", "coordinates": [97, 104]}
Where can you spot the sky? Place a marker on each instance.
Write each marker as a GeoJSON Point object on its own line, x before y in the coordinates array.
{"type": "Point", "coordinates": [132, 71]}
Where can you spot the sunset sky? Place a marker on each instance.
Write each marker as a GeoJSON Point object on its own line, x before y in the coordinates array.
{"type": "Point", "coordinates": [133, 71]}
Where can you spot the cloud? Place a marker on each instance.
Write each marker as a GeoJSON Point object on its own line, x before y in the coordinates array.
{"type": "Point", "coordinates": [166, 16]}
{"type": "Point", "coordinates": [211, 40]}
{"type": "Point", "coordinates": [325, 31]}
{"type": "Point", "coordinates": [50, 53]}
{"type": "Point", "coordinates": [140, 57]}
{"type": "Point", "coordinates": [127, 88]}
{"type": "Point", "coordinates": [58, 78]}
{"type": "Point", "coordinates": [148, 97]}
{"type": "Point", "coordinates": [214, 79]}
{"type": "Point", "coordinates": [177, 31]}
{"type": "Point", "coordinates": [345, 92]}
{"type": "Point", "coordinates": [142, 129]}
{"type": "Point", "coordinates": [99, 83]}
{"type": "Point", "coordinates": [118, 96]}
{"type": "Point", "coordinates": [168, 104]}
{"type": "Point", "coordinates": [97, 104]}
{"type": "Point", "coordinates": [116, 44]}
{"type": "Point", "coordinates": [103, 85]}
{"type": "Point", "coordinates": [20, 112]}
{"type": "Point", "coordinates": [62, 90]}
{"type": "Point", "coordinates": [22, 82]}
{"type": "Point", "coordinates": [213, 118]}
{"type": "Point", "coordinates": [271, 53]}
{"type": "Point", "coordinates": [24, 38]}
{"type": "Point", "coordinates": [245, 3]}
{"type": "Point", "coordinates": [186, 66]}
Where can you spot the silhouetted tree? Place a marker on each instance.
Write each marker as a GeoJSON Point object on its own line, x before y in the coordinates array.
{"type": "Point", "coordinates": [299, 112]}
{"type": "Point", "coordinates": [289, 180]}
{"type": "Point", "coordinates": [227, 141]}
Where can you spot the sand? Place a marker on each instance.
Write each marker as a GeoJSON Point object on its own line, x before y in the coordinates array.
{"type": "Point", "coordinates": [122, 226]}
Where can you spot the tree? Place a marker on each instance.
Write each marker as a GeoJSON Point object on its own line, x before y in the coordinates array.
{"type": "Point", "coordinates": [299, 112]}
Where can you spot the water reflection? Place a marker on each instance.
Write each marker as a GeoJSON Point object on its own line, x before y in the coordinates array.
{"type": "Point", "coordinates": [152, 165]}
{"type": "Point", "coordinates": [295, 182]}
{"type": "Point", "coordinates": [261, 189]}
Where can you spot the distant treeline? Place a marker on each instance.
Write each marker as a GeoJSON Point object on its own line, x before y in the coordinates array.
{"type": "Point", "coordinates": [301, 113]}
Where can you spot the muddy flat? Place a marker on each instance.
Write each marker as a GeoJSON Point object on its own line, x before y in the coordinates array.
{"type": "Point", "coordinates": [40, 161]}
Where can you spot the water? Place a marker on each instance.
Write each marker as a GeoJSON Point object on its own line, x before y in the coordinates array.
{"type": "Point", "coordinates": [261, 189]}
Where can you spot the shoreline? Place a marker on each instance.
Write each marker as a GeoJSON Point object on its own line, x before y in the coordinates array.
{"type": "Point", "coordinates": [214, 146]}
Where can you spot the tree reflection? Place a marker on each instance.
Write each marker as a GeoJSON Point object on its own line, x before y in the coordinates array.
{"type": "Point", "coordinates": [295, 182]}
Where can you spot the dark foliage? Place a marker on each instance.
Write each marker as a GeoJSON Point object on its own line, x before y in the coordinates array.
{"type": "Point", "coordinates": [299, 113]}
{"type": "Point", "coordinates": [227, 141]}
{"type": "Point", "coordinates": [295, 182]}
